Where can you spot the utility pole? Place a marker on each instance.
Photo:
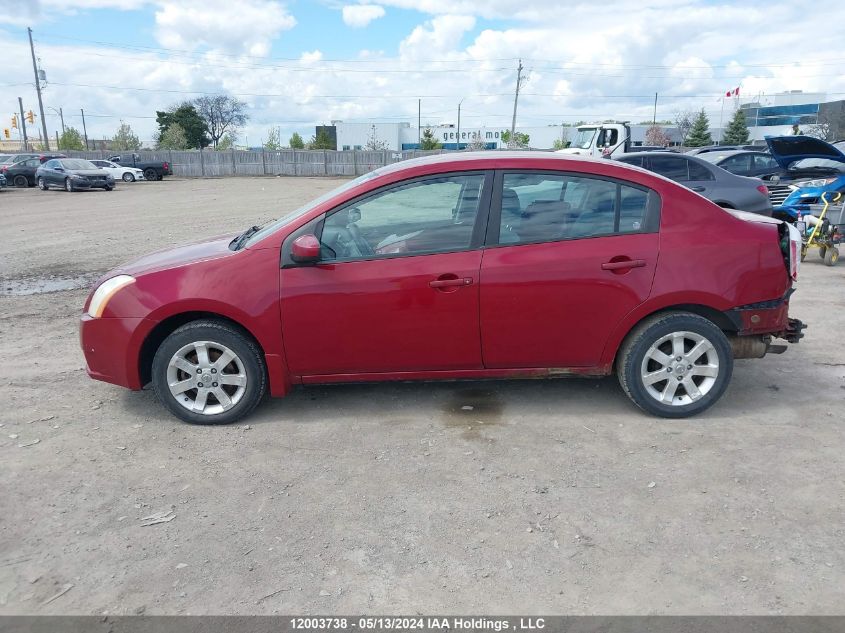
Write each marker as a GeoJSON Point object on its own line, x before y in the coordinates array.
{"type": "Point", "coordinates": [62, 117]}
{"type": "Point", "coordinates": [654, 118]}
{"type": "Point", "coordinates": [38, 90]}
{"type": "Point", "coordinates": [516, 98]}
{"type": "Point", "coordinates": [84, 129]}
{"type": "Point", "coordinates": [419, 122]}
{"type": "Point", "coordinates": [458, 144]}
{"type": "Point", "coordinates": [23, 125]}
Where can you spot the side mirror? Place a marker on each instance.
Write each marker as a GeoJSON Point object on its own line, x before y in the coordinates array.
{"type": "Point", "coordinates": [305, 249]}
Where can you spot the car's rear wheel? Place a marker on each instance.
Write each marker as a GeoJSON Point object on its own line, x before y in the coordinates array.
{"type": "Point", "coordinates": [128, 177]}
{"type": "Point", "coordinates": [21, 181]}
{"type": "Point", "coordinates": [208, 372]}
{"type": "Point", "coordinates": [675, 364]}
{"type": "Point", "coordinates": [42, 184]}
{"type": "Point", "coordinates": [69, 185]}
{"type": "Point", "coordinates": [150, 174]}
{"type": "Point", "coordinates": [108, 187]}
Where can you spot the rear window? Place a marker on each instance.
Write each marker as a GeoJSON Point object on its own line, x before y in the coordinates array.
{"type": "Point", "coordinates": [670, 167]}
{"type": "Point", "coordinates": [697, 171]}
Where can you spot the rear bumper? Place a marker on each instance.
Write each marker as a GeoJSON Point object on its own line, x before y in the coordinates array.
{"type": "Point", "coordinates": [767, 318]}
{"type": "Point", "coordinates": [112, 348]}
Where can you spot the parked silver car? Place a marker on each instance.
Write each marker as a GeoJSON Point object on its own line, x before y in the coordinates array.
{"type": "Point", "coordinates": [714, 183]}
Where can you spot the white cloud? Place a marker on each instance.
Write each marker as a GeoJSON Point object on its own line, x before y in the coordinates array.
{"type": "Point", "coordinates": [247, 27]}
{"type": "Point", "coordinates": [360, 15]}
{"type": "Point", "coordinates": [439, 35]}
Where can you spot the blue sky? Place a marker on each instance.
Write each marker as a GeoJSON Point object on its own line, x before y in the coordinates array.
{"type": "Point", "coordinates": [300, 62]}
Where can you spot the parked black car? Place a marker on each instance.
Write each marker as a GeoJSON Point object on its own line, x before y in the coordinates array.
{"type": "Point", "coordinates": [72, 174]}
{"type": "Point", "coordinates": [153, 169]}
{"type": "Point", "coordinates": [21, 174]}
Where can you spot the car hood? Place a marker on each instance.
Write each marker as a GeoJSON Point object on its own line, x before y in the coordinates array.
{"type": "Point", "coordinates": [85, 172]}
{"type": "Point", "coordinates": [212, 248]}
{"type": "Point", "coordinates": [788, 149]}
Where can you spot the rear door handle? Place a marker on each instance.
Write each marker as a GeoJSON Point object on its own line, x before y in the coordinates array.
{"type": "Point", "coordinates": [625, 263]}
{"type": "Point", "coordinates": [447, 283]}
{"type": "Point", "coordinates": [698, 189]}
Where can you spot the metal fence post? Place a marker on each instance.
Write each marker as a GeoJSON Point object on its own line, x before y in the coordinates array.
{"type": "Point", "coordinates": [294, 163]}
{"type": "Point", "coordinates": [325, 164]}
{"type": "Point", "coordinates": [354, 162]}
{"type": "Point", "coordinates": [202, 163]}
{"type": "Point", "coordinates": [263, 162]}
{"type": "Point", "coordinates": [384, 158]}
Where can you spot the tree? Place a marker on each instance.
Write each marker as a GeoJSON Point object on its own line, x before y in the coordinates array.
{"type": "Point", "coordinates": [699, 134]}
{"type": "Point", "coordinates": [192, 124]}
{"type": "Point", "coordinates": [296, 141]}
{"type": "Point", "coordinates": [830, 123]}
{"type": "Point", "coordinates": [173, 137]}
{"type": "Point", "coordinates": [321, 140]}
{"type": "Point", "coordinates": [519, 141]}
{"type": "Point", "coordinates": [428, 142]}
{"type": "Point", "coordinates": [71, 139]}
{"type": "Point", "coordinates": [221, 114]}
{"type": "Point", "coordinates": [374, 143]}
{"type": "Point", "coordinates": [656, 135]}
{"type": "Point", "coordinates": [563, 141]}
{"type": "Point", "coordinates": [227, 142]}
{"type": "Point", "coordinates": [125, 139]}
{"type": "Point", "coordinates": [683, 121]}
{"type": "Point", "coordinates": [737, 131]}
{"type": "Point", "coordinates": [274, 141]}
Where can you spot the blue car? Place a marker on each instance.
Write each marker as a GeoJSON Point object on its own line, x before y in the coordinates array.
{"type": "Point", "coordinates": [812, 166]}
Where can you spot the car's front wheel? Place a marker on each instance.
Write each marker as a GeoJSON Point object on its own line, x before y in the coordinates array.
{"type": "Point", "coordinates": [42, 184]}
{"type": "Point", "coordinates": [21, 181]}
{"type": "Point", "coordinates": [128, 177]}
{"type": "Point", "coordinates": [69, 185]}
{"type": "Point", "coordinates": [209, 372]}
{"type": "Point", "coordinates": [675, 364]}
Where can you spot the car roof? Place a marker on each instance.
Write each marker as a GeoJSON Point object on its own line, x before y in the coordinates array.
{"type": "Point", "coordinates": [714, 156]}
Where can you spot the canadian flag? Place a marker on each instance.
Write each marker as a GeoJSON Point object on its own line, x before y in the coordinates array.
{"type": "Point", "coordinates": [733, 93]}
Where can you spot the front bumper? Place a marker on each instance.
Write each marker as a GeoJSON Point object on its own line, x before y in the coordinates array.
{"type": "Point", "coordinates": [112, 348]}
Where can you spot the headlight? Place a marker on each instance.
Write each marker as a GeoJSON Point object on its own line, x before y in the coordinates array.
{"type": "Point", "coordinates": [105, 292]}
{"type": "Point", "coordinates": [818, 182]}
{"type": "Point", "coordinates": [77, 177]}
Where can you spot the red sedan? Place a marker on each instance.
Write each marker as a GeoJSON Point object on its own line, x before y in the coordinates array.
{"type": "Point", "coordinates": [480, 265]}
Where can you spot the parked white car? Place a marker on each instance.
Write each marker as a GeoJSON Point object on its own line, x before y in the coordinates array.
{"type": "Point", "coordinates": [127, 174]}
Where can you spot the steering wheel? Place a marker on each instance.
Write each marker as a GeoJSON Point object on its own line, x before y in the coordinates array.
{"type": "Point", "coordinates": [355, 233]}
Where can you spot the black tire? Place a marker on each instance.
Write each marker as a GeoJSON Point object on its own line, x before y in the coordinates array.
{"type": "Point", "coordinates": [42, 184]}
{"type": "Point", "coordinates": [21, 181]}
{"type": "Point", "coordinates": [108, 187]}
{"type": "Point", "coordinates": [69, 185]}
{"type": "Point", "coordinates": [831, 257]}
{"type": "Point", "coordinates": [242, 345]}
{"type": "Point", "coordinates": [822, 251]}
{"type": "Point", "coordinates": [150, 174]}
{"type": "Point", "coordinates": [128, 177]}
{"type": "Point", "coordinates": [630, 363]}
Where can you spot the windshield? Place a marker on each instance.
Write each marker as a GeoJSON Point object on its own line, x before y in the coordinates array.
{"type": "Point", "coordinates": [275, 225]}
{"type": "Point", "coordinates": [5, 159]}
{"type": "Point", "coordinates": [78, 163]}
{"type": "Point", "coordinates": [584, 138]}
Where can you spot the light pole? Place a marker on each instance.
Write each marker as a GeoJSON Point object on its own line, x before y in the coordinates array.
{"type": "Point", "coordinates": [61, 116]}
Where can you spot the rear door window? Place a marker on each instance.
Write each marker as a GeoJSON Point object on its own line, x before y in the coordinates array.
{"type": "Point", "coordinates": [698, 172]}
{"type": "Point", "coordinates": [672, 167]}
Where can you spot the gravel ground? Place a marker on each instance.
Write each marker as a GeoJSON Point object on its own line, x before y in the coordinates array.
{"type": "Point", "coordinates": [545, 497]}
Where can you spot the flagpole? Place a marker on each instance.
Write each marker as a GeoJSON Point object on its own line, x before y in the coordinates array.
{"type": "Point", "coordinates": [721, 121]}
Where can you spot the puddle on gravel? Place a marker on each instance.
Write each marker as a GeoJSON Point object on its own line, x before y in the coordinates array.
{"type": "Point", "coordinates": [42, 285]}
{"type": "Point", "coordinates": [472, 410]}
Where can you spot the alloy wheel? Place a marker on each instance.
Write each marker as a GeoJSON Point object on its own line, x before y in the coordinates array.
{"type": "Point", "coordinates": [206, 377]}
{"type": "Point", "coordinates": [680, 368]}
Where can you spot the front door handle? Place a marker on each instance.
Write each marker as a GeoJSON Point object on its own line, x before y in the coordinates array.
{"type": "Point", "coordinates": [698, 189]}
{"type": "Point", "coordinates": [623, 264]}
{"type": "Point", "coordinates": [450, 281]}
